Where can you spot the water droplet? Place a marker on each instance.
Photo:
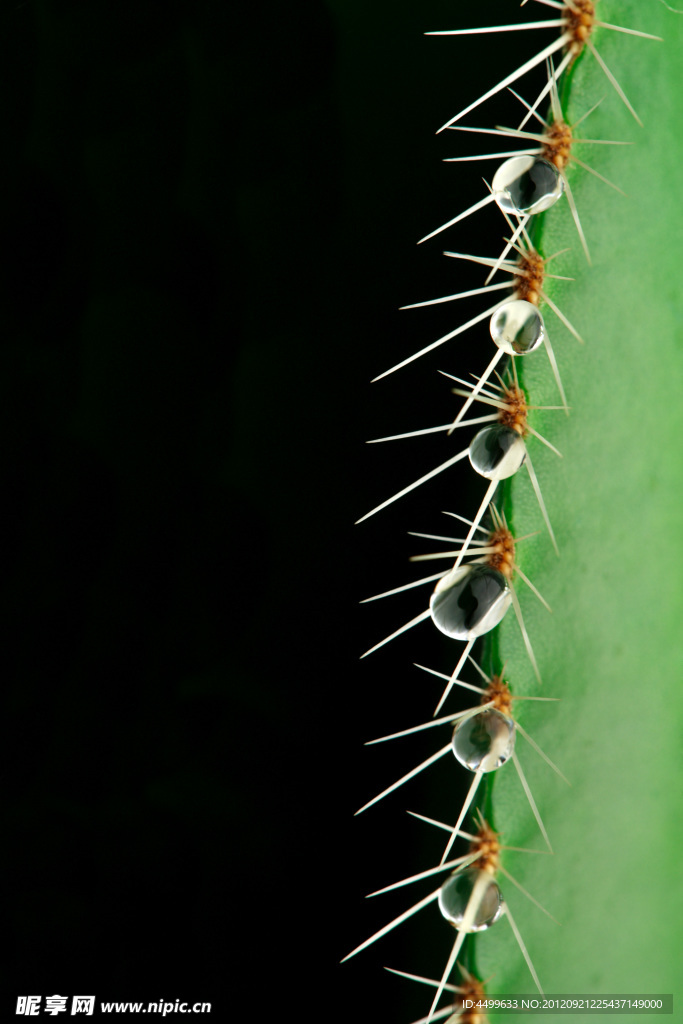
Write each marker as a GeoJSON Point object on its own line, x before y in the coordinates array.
{"type": "Point", "coordinates": [497, 452]}
{"type": "Point", "coordinates": [456, 892]}
{"type": "Point", "coordinates": [485, 741]}
{"type": "Point", "coordinates": [517, 327]}
{"type": "Point", "coordinates": [527, 184]}
{"type": "Point", "coordinates": [470, 601]}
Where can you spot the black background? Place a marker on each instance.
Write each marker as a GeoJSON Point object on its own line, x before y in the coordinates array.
{"type": "Point", "coordinates": [208, 215]}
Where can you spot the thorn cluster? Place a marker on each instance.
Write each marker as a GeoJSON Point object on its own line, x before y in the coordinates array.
{"type": "Point", "coordinates": [471, 598]}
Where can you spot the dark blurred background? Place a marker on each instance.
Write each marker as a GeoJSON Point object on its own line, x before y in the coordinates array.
{"type": "Point", "coordinates": [208, 219]}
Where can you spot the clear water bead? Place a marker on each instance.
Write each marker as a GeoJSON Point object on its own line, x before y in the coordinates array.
{"type": "Point", "coordinates": [527, 184]}
{"type": "Point", "coordinates": [485, 741]}
{"type": "Point", "coordinates": [470, 601]}
{"type": "Point", "coordinates": [497, 452]}
{"type": "Point", "coordinates": [455, 894]}
{"type": "Point", "coordinates": [517, 327]}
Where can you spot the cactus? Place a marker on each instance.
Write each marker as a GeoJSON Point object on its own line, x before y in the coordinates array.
{"type": "Point", "coordinates": [610, 651]}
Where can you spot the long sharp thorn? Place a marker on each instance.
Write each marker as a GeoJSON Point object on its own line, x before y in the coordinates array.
{"type": "Point", "coordinates": [441, 341]}
{"type": "Point", "coordinates": [451, 554]}
{"type": "Point", "coordinates": [459, 295]}
{"type": "Point", "coordinates": [411, 487]}
{"type": "Point", "coordinates": [412, 433]}
{"type": "Point", "coordinates": [533, 589]}
{"type": "Point", "coordinates": [561, 315]}
{"type": "Point", "coordinates": [560, 252]}
{"type": "Point", "coordinates": [537, 490]}
{"type": "Point", "coordinates": [430, 430]}
{"type": "Point", "coordinates": [530, 798]}
{"type": "Point", "coordinates": [631, 31]}
{"type": "Point", "coordinates": [524, 849]}
{"type": "Point", "coordinates": [482, 397]}
{"type": "Point", "coordinates": [544, 92]}
{"type": "Point", "coordinates": [468, 384]}
{"type": "Point", "coordinates": [469, 522]}
{"type": "Point", "coordinates": [442, 675]}
{"type": "Point", "coordinates": [620, 91]}
{"type": "Point", "coordinates": [405, 778]}
{"type": "Point", "coordinates": [439, 1015]}
{"type": "Point", "coordinates": [542, 753]}
{"type": "Point", "coordinates": [461, 216]}
{"type": "Point", "coordinates": [526, 892]}
{"type": "Point", "coordinates": [597, 175]}
{"type": "Point", "coordinates": [437, 536]}
{"type": "Point", "coordinates": [457, 946]}
{"type": "Point", "coordinates": [477, 388]}
{"type": "Point", "coordinates": [479, 670]}
{"type": "Point", "coordinates": [445, 827]}
{"type": "Point", "coordinates": [480, 886]}
{"type": "Point", "coordinates": [532, 110]}
{"type": "Point", "coordinates": [490, 490]}
{"type": "Point", "coordinates": [553, 700]}
{"type": "Point", "coordinates": [486, 261]}
{"type": "Point", "coordinates": [604, 142]}
{"type": "Point", "coordinates": [508, 132]}
{"type": "Point", "coordinates": [478, 776]}
{"type": "Point", "coordinates": [418, 977]}
{"type": "Point", "coordinates": [575, 214]}
{"type": "Point", "coordinates": [509, 79]}
{"type": "Point", "coordinates": [555, 104]}
{"type": "Point", "coordinates": [394, 924]}
{"type": "Point", "coordinates": [525, 635]}
{"type": "Point", "coordinates": [409, 625]}
{"type": "Point", "coordinates": [586, 115]}
{"type": "Point", "coordinates": [429, 725]}
{"type": "Point", "coordinates": [454, 677]}
{"type": "Point", "coordinates": [459, 862]}
{"type": "Point", "coordinates": [555, 23]}
{"type": "Point", "coordinates": [506, 250]}
{"type": "Point", "coordinates": [520, 943]}
{"type": "Point", "coordinates": [556, 370]}
{"type": "Point", "coordinates": [406, 586]}
{"type": "Point", "coordinates": [490, 156]}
